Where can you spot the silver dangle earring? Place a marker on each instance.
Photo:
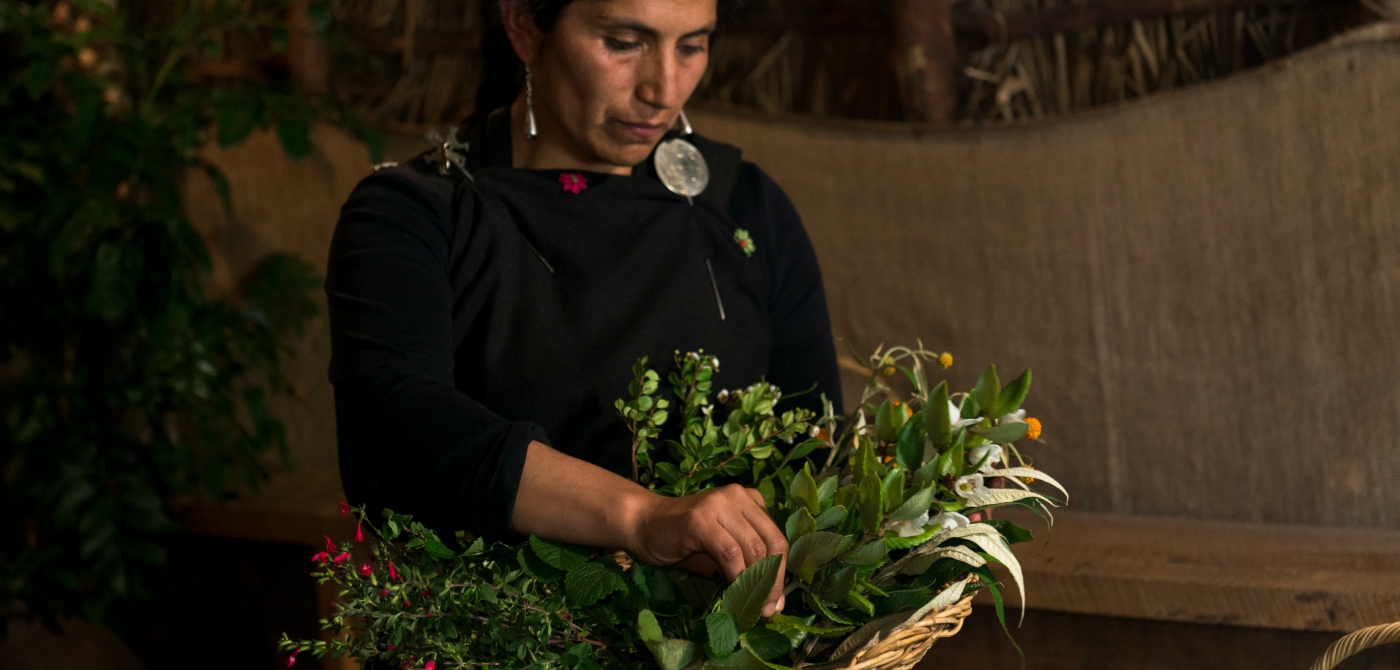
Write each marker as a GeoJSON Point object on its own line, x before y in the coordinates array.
{"type": "Point", "coordinates": [685, 125]}
{"type": "Point", "coordinates": [531, 131]}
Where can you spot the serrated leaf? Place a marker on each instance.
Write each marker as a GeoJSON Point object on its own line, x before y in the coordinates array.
{"type": "Point", "coordinates": [810, 552]}
{"type": "Point", "coordinates": [995, 546]}
{"type": "Point", "coordinates": [921, 563]}
{"type": "Point", "coordinates": [741, 660]}
{"type": "Point", "coordinates": [909, 450]}
{"type": "Point", "coordinates": [798, 524]}
{"type": "Point", "coordinates": [835, 586]}
{"type": "Point", "coordinates": [915, 506]}
{"type": "Point", "coordinates": [766, 643]}
{"type": "Point", "coordinates": [805, 625]}
{"type": "Point", "coordinates": [1004, 433]}
{"type": "Point", "coordinates": [804, 449]}
{"type": "Point", "coordinates": [870, 503]}
{"type": "Point", "coordinates": [950, 462]}
{"type": "Point", "coordinates": [827, 488]}
{"type": "Point", "coordinates": [590, 582]}
{"type": "Point", "coordinates": [648, 628]}
{"type": "Point", "coordinates": [831, 517]}
{"type": "Point", "coordinates": [866, 554]}
{"type": "Point", "coordinates": [438, 550]}
{"type": "Point", "coordinates": [721, 634]}
{"type": "Point", "coordinates": [533, 566]}
{"type": "Point", "coordinates": [805, 493]}
{"type": "Point", "coordinates": [745, 598]}
{"type": "Point", "coordinates": [674, 654]}
{"type": "Point", "coordinates": [892, 489]}
{"type": "Point", "coordinates": [1013, 533]}
{"type": "Point", "coordinates": [559, 555]}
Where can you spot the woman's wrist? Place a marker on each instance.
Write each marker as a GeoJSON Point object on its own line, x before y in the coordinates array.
{"type": "Point", "coordinates": [634, 507]}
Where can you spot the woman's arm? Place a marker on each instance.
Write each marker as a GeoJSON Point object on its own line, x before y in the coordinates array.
{"type": "Point", "coordinates": [726, 529]}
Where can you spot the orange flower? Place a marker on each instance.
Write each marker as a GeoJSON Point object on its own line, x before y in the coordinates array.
{"type": "Point", "coordinates": [1032, 428]}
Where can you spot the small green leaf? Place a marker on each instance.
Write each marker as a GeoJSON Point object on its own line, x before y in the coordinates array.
{"type": "Point", "coordinates": [950, 462]}
{"type": "Point", "coordinates": [1012, 532]}
{"type": "Point", "coordinates": [745, 598]}
{"type": "Point", "coordinates": [937, 425]}
{"type": "Point", "coordinates": [810, 552]}
{"type": "Point", "coordinates": [909, 452]}
{"type": "Point", "coordinates": [1014, 394]}
{"type": "Point", "coordinates": [833, 516]}
{"type": "Point", "coordinates": [673, 654]}
{"type": "Point", "coordinates": [800, 523]}
{"type": "Point", "coordinates": [743, 660]}
{"type": "Point", "coordinates": [766, 643]}
{"type": "Point", "coordinates": [805, 493]}
{"type": "Point", "coordinates": [722, 634]}
{"type": "Point", "coordinates": [295, 135]}
{"type": "Point", "coordinates": [866, 554]}
{"type": "Point", "coordinates": [987, 392]}
{"type": "Point", "coordinates": [889, 419]}
{"type": "Point", "coordinates": [588, 583]}
{"type": "Point", "coordinates": [558, 554]}
{"type": "Point", "coordinates": [533, 566]}
{"type": "Point", "coordinates": [827, 488]}
{"type": "Point", "coordinates": [438, 550]}
{"type": "Point", "coordinates": [648, 628]}
{"type": "Point", "coordinates": [859, 602]}
{"type": "Point", "coordinates": [870, 502]}
{"type": "Point", "coordinates": [804, 449]}
{"type": "Point", "coordinates": [893, 489]}
{"type": "Point", "coordinates": [915, 506]}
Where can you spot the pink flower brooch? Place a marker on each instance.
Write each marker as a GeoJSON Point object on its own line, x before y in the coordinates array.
{"type": "Point", "coordinates": [573, 182]}
{"type": "Point", "coordinates": [745, 242]}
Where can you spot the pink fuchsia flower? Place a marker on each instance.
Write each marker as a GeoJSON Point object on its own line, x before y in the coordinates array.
{"type": "Point", "coordinates": [426, 592]}
{"type": "Point", "coordinates": [292, 660]}
{"type": "Point", "coordinates": [430, 665]}
{"type": "Point", "coordinates": [344, 509]}
{"type": "Point", "coordinates": [383, 593]}
{"type": "Point", "coordinates": [323, 557]}
{"type": "Point", "coordinates": [573, 182]}
{"type": "Point", "coordinates": [364, 570]}
{"type": "Point", "coordinates": [392, 647]}
{"type": "Point", "coordinates": [330, 546]}
{"type": "Point", "coordinates": [359, 534]}
{"type": "Point", "coordinates": [406, 603]}
{"type": "Point", "coordinates": [393, 573]}
{"type": "Point", "coordinates": [343, 557]}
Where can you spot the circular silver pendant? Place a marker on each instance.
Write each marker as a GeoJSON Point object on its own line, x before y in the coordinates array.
{"type": "Point", "coordinates": [682, 168]}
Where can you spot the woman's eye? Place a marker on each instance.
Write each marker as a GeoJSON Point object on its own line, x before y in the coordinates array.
{"type": "Point", "coordinates": [691, 49]}
{"type": "Point", "coordinates": [620, 45]}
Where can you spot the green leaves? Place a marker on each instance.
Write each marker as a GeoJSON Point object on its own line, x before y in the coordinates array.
{"type": "Point", "coordinates": [810, 552]}
{"type": "Point", "coordinates": [722, 634]}
{"type": "Point", "coordinates": [937, 425]}
{"type": "Point", "coordinates": [804, 492]}
{"type": "Point", "coordinates": [559, 555]}
{"type": "Point", "coordinates": [588, 583]}
{"type": "Point", "coordinates": [915, 506]}
{"type": "Point", "coordinates": [988, 391]}
{"type": "Point", "coordinates": [1004, 433]}
{"type": "Point", "coordinates": [766, 643]}
{"type": "Point", "coordinates": [1014, 394]}
{"type": "Point", "coordinates": [745, 598]}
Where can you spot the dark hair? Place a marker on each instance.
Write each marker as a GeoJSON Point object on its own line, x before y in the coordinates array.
{"type": "Point", "coordinates": [503, 74]}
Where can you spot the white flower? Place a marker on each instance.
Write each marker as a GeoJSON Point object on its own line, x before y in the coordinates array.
{"type": "Point", "coordinates": [1018, 416]}
{"type": "Point", "coordinates": [707, 409]}
{"type": "Point", "coordinates": [949, 521]}
{"type": "Point", "coordinates": [715, 360]}
{"type": "Point", "coordinates": [815, 431]}
{"type": "Point", "coordinates": [992, 452]}
{"type": "Point", "coordinates": [970, 486]}
{"type": "Point", "coordinates": [911, 527]}
{"type": "Point", "coordinates": [956, 420]}
{"type": "Point", "coordinates": [723, 395]}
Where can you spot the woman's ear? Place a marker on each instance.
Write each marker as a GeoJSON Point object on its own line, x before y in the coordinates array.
{"type": "Point", "coordinates": [521, 29]}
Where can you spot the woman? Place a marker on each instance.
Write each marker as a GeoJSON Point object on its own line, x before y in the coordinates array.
{"type": "Point", "coordinates": [487, 301]}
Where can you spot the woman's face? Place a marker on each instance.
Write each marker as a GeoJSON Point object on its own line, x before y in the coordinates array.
{"type": "Point", "coordinates": [613, 75]}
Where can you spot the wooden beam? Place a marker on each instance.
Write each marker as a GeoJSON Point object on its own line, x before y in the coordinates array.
{"type": "Point", "coordinates": [1068, 18]}
{"type": "Point", "coordinates": [1239, 574]}
{"type": "Point", "coordinates": [926, 59]}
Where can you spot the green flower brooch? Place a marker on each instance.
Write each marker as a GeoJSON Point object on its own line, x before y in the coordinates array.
{"type": "Point", "coordinates": [745, 242]}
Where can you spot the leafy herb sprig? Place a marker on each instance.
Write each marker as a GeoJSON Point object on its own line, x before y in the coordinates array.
{"type": "Point", "coordinates": [878, 536]}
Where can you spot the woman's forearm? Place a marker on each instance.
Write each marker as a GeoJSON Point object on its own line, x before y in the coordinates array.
{"type": "Point", "coordinates": [564, 498]}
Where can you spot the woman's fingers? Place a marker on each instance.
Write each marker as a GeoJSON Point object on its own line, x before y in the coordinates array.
{"type": "Point", "coordinates": [775, 543]}
{"type": "Point", "coordinates": [700, 564]}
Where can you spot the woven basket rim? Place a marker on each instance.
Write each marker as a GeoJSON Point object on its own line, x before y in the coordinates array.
{"type": "Point", "coordinates": [906, 646]}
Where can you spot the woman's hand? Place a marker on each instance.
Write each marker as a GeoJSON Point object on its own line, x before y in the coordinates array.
{"type": "Point", "coordinates": [725, 530]}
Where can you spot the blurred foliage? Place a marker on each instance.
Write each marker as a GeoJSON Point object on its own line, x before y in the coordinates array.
{"type": "Point", "coordinates": [122, 383]}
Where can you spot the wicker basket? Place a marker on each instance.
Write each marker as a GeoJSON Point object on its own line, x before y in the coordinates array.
{"type": "Point", "coordinates": [1356, 642]}
{"type": "Point", "coordinates": [906, 646]}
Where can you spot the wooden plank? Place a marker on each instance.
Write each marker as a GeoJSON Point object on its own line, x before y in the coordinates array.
{"type": "Point", "coordinates": [1287, 577]}
{"type": "Point", "coordinates": [926, 59]}
{"type": "Point", "coordinates": [999, 26]}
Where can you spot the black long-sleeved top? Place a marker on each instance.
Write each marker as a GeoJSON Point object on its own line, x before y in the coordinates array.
{"type": "Point", "coordinates": [471, 316]}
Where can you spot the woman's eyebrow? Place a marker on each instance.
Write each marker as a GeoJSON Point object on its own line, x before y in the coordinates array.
{"type": "Point", "coordinates": [648, 31]}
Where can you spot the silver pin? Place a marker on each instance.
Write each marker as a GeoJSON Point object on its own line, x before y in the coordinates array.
{"type": "Point", "coordinates": [448, 152]}
{"type": "Point", "coordinates": [685, 125]}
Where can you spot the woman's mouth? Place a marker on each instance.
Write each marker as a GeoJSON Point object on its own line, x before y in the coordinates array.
{"type": "Point", "coordinates": [642, 131]}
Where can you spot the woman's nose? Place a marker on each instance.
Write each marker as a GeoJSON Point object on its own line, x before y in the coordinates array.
{"type": "Point", "coordinates": [656, 79]}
